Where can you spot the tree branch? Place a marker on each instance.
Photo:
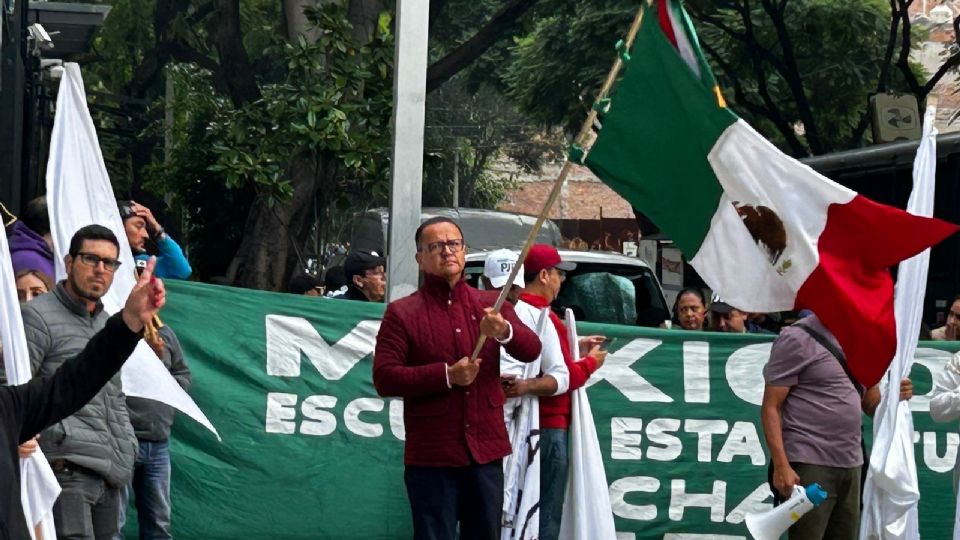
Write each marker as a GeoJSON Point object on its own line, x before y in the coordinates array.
{"type": "Point", "coordinates": [950, 64]}
{"type": "Point", "coordinates": [451, 64]}
{"type": "Point", "coordinates": [792, 77]}
{"type": "Point", "coordinates": [883, 79]}
{"type": "Point", "coordinates": [235, 69]}
{"type": "Point", "coordinates": [748, 39]}
{"type": "Point", "coordinates": [769, 109]}
{"type": "Point", "coordinates": [903, 61]}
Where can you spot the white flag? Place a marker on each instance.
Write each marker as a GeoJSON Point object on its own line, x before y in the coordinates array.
{"type": "Point", "coordinates": [38, 486]}
{"type": "Point", "coordinates": [891, 492]}
{"type": "Point", "coordinates": [587, 513]}
{"type": "Point", "coordinates": [79, 194]}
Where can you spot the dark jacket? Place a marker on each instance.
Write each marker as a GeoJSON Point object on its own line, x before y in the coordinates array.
{"type": "Point", "coordinates": [419, 335]}
{"type": "Point", "coordinates": [99, 436]}
{"type": "Point", "coordinates": [151, 419]}
{"type": "Point", "coordinates": [29, 251]}
{"type": "Point", "coordinates": [353, 293]}
{"type": "Point", "coordinates": [27, 409]}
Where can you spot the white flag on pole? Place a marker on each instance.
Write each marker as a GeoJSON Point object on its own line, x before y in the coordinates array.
{"type": "Point", "coordinates": [38, 486]}
{"type": "Point", "coordinates": [587, 513]}
{"type": "Point", "coordinates": [891, 492]}
{"type": "Point", "coordinates": [79, 194]}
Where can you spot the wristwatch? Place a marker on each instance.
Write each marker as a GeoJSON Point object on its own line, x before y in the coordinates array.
{"type": "Point", "coordinates": [159, 234]}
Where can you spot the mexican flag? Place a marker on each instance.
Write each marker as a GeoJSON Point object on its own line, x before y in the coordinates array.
{"type": "Point", "coordinates": [765, 232]}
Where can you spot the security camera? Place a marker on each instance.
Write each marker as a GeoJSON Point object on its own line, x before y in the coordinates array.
{"type": "Point", "coordinates": [40, 35]}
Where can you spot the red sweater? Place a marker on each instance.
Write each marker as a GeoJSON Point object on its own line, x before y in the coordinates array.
{"type": "Point", "coordinates": [437, 325]}
{"type": "Point", "coordinates": [555, 410]}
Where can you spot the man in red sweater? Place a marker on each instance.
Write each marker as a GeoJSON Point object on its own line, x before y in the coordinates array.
{"type": "Point", "coordinates": [453, 406]}
{"type": "Point", "coordinates": [544, 274]}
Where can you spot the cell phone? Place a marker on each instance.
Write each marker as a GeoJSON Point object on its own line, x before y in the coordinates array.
{"type": "Point", "coordinates": [606, 344]}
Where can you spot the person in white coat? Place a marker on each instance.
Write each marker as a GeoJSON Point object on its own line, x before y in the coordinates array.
{"type": "Point", "coordinates": [523, 384]}
{"type": "Point", "coordinates": [945, 404]}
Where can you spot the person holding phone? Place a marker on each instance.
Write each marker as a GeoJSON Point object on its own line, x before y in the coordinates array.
{"type": "Point", "coordinates": [544, 273]}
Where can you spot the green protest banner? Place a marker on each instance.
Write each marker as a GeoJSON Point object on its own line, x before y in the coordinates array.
{"type": "Point", "coordinates": [310, 451]}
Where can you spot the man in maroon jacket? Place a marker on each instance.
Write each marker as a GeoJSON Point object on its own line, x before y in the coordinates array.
{"type": "Point", "coordinates": [453, 407]}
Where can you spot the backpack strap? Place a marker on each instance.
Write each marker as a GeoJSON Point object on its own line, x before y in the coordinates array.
{"type": "Point", "coordinates": [837, 353]}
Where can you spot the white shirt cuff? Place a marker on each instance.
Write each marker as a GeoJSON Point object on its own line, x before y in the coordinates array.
{"type": "Point", "coordinates": [446, 373]}
{"type": "Point", "coordinates": [509, 334]}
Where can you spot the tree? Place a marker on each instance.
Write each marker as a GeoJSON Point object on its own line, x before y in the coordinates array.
{"type": "Point", "coordinates": [301, 150]}
{"type": "Point", "coordinates": [481, 129]}
{"type": "Point", "coordinates": [799, 70]}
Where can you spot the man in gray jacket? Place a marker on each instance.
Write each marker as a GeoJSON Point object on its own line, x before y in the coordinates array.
{"type": "Point", "coordinates": [91, 452]}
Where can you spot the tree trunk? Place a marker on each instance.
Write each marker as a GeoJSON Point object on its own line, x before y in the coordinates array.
{"type": "Point", "coordinates": [364, 16]}
{"type": "Point", "coordinates": [273, 250]}
{"type": "Point", "coordinates": [296, 21]}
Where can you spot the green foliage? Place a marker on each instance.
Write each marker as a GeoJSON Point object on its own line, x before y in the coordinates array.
{"type": "Point", "coordinates": [490, 137]}
{"type": "Point", "coordinates": [839, 47]}
{"type": "Point", "coordinates": [557, 68]}
{"type": "Point", "coordinates": [120, 45]}
{"type": "Point", "coordinates": [331, 110]}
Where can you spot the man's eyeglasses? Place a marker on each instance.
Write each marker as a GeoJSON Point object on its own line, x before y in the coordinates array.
{"type": "Point", "coordinates": [433, 248]}
{"type": "Point", "coordinates": [91, 260]}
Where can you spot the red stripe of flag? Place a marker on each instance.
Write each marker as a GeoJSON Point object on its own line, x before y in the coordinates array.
{"type": "Point", "coordinates": [663, 13]}
{"type": "Point", "coordinates": [851, 290]}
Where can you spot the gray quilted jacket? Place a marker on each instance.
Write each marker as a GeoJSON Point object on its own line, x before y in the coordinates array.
{"type": "Point", "coordinates": [151, 419]}
{"type": "Point", "coordinates": [99, 437]}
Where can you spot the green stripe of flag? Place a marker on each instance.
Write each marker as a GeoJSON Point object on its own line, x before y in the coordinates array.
{"type": "Point", "coordinates": [653, 145]}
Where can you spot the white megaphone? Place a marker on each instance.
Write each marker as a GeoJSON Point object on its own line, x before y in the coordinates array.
{"type": "Point", "coordinates": [770, 525]}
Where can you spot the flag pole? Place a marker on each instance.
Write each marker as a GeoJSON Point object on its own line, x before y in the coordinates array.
{"type": "Point", "coordinates": [581, 141]}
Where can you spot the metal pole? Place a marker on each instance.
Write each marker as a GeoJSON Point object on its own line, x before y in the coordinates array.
{"type": "Point", "coordinates": [456, 178]}
{"type": "Point", "coordinates": [409, 98]}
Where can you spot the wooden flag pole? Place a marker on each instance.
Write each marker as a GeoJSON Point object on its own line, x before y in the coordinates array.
{"type": "Point", "coordinates": [581, 141]}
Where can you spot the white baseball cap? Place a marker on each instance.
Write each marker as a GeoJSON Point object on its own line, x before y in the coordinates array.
{"type": "Point", "coordinates": [498, 266]}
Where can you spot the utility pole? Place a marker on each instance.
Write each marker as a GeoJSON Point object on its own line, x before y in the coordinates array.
{"type": "Point", "coordinates": [456, 178]}
{"type": "Point", "coordinates": [409, 99]}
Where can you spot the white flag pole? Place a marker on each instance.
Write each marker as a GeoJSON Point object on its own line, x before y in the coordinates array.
{"type": "Point", "coordinates": [891, 492]}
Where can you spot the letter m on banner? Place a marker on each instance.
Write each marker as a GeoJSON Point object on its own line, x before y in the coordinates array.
{"type": "Point", "coordinates": [290, 338]}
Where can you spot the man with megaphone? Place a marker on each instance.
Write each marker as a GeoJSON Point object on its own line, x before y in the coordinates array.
{"type": "Point", "coordinates": [812, 421]}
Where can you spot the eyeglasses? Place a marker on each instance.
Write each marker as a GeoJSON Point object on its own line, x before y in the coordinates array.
{"type": "Point", "coordinates": [456, 246]}
{"type": "Point", "coordinates": [91, 260]}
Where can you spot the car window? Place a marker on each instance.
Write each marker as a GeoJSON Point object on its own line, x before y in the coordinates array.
{"type": "Point", "coordinates": [599, 297]}
{"type": "Point", "coordinates": [613, 296]}
{"type": "Point", "coordinates": [603, 293]}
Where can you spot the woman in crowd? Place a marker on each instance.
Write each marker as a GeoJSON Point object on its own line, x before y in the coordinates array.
{"type": "Point", "coordinates": [690, 310]}
{"type": "Point", "coordinates": [32, 283]}
{"type": "Point", "coordinates": [951, 330]}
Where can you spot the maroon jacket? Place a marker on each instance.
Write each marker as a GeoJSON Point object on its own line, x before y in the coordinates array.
{"type": "Point", "coordinates": [436, 325]}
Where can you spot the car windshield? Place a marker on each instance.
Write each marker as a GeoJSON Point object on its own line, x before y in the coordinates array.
{"type": "Point", "coordinates": [605, 293]}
